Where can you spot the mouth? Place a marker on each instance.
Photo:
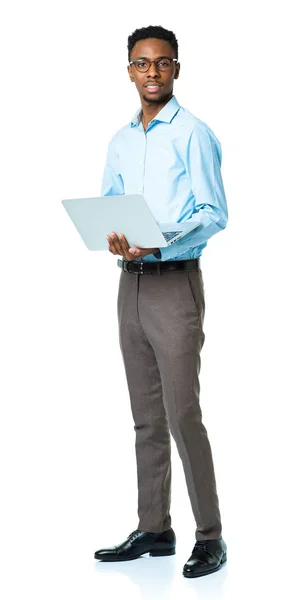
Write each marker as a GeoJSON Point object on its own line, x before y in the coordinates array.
{"type": "Point", "coordinates": [153, 87]}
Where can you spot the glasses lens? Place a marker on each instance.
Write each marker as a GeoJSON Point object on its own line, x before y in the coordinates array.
{"type": "Point", "coordinates": [142, 65]}
{"type": "Point", "coordinates": [162, 64]}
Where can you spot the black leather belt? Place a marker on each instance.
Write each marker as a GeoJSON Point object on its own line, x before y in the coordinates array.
{"type": "Point", "coordinates": [157, 268]}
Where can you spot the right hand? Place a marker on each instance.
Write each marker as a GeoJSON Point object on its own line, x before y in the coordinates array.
{"type": "Point", "coordinates": [121, 247]}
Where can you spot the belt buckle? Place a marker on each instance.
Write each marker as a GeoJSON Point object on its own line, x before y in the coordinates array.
{"type": "Point", "coordinates": [125, 267]}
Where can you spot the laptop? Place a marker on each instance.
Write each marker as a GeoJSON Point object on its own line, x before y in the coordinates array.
{"type": "Point", "coordinates": [95, 218]}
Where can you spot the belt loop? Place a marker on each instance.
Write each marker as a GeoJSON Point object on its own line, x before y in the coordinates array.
{"type": "Point", "coordinates": [158, 268]}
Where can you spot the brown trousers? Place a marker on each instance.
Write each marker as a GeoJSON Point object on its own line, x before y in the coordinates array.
{"type": "Point", "coordinates": [161, 335]}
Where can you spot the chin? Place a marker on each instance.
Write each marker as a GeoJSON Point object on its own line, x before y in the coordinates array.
{"type": "Point", "coordinates": [150, 97]}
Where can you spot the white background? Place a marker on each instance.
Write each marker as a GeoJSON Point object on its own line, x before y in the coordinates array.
{"type": "Point", "coordinates": [68, 473]}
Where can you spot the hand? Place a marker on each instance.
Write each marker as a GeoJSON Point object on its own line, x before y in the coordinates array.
{"type": "Point", "coordinates": [120, 246]}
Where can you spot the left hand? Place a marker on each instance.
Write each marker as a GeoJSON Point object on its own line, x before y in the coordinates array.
{"type": "Point", "coordinates": [120, 246]}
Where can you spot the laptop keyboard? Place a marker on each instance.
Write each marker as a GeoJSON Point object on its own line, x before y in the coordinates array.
{"type": "Point", "coordinates": [168, 235]}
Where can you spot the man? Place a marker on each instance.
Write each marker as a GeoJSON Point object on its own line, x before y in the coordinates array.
{"type": "Point", "coordinates": [174, 159]}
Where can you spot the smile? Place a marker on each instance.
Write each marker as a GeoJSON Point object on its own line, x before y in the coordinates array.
{"type": "Point", "coordinates": [153, 88]}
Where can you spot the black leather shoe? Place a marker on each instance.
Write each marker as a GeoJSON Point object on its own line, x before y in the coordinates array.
{"type": "Point", "coordinates": [140, 542]}
{"type": "Point", "coordinates": [207, 556]}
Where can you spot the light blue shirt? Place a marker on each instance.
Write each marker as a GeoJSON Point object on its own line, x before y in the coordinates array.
{"type": "Point", "coordinates": [176, 165]}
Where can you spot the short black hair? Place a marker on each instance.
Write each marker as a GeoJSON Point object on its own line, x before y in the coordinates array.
{"type": "Point", "coordinates": [153, 31]}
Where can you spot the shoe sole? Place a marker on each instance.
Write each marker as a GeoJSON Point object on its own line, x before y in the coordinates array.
{"type": "Point", "coordinates": [168, 552]}
{"type": "Point", "coordinates": [186, 574]}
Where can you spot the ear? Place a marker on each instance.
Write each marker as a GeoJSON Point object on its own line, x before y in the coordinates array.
{"type": "Point", "coordinates": [177, 71]}
{"type": "Point", "coordinates": [130, 72]}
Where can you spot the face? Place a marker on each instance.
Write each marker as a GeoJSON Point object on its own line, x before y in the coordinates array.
{"type": "Point", "coordinates": [152, 49]}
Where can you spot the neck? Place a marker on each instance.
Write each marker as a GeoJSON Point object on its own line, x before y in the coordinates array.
{"type": "Point", "coordinates": [151, 109]}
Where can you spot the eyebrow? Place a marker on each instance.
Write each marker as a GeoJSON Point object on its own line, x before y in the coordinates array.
{"type": "Point", "coordinates": [146, 57]}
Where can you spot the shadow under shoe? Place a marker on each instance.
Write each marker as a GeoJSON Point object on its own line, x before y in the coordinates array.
{"type": "Point", "coordinates": [207, 556]}
{"type": "Point", "coordinates": [140, 542]}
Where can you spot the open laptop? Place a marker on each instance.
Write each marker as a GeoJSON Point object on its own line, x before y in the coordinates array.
{"type": "Point", "coordinates": [95, 218]}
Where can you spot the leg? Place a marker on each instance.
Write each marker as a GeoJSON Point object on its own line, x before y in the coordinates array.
{"type": "Point", "coordinates": [153, 444]}
{"type": "Point", "coordinates": [171, 308]}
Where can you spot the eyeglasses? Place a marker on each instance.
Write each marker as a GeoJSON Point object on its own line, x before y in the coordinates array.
{"type": "Point", "coordinates": [162, 64]}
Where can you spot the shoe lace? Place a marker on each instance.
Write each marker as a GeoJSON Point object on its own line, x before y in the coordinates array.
{"type": "Point", "coordinates": [134, 534]}
{"type": "Point", "coordinates": [203, 545]}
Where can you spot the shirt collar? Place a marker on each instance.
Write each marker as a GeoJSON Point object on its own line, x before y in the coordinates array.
{"type": "Point", "coordinates": [166, 114]}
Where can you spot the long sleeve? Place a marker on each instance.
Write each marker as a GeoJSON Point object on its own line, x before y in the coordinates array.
{"type": "Point", "coordinates": [112, 182]}
{"type": "Point", "coordinates": [202, 157]}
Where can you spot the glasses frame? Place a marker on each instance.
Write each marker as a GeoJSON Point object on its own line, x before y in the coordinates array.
{"type": "Point", "coordinates": [133, 62]}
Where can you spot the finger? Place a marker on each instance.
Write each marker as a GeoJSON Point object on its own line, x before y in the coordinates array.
{"type": "Point", "coordinates": [125, 248]}
{"type": "Point", "coordinates": [135, 252]}
{"type": "Point", "coordinates": [116, 242]}
{"type": "Point", "coordinates": [112, 249]}
{"type": "Point", "coordinates": [121, 246]}
{"type": "Point", "coordinates": [124, 242]}
{"type": "Point", "coordinates": [116, 248]}
{"type": "Point", "coordinates": [111, 245]}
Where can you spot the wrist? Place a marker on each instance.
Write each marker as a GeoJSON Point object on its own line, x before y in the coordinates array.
{"type": "Point", "coordinates": [157, 254]}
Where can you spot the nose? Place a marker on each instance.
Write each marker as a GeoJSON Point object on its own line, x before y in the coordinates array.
{"type": "Point", "coordinates": [153, 70]}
